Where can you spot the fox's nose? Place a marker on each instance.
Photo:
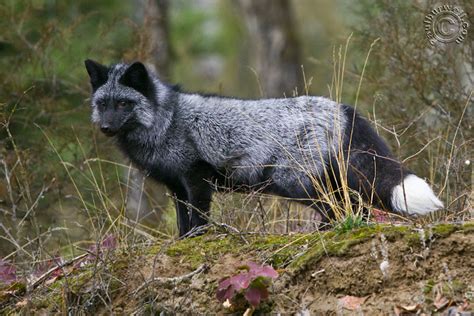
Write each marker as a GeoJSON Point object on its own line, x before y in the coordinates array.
{"type": "Point", "coordinates": [108, 130]}
{"type": "Point", "coordinates": [105, 129]}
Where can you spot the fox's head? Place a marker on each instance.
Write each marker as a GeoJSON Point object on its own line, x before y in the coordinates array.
{"type": "Point", "coordinates": [123, 96]}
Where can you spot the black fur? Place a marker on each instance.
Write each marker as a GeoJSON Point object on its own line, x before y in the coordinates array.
{"type": "Point", "coordinates": [98, 74]}
{"type": "Point", "coordinates": [372, 169]}
{"type": "Point", "coordinates": [136, 77]}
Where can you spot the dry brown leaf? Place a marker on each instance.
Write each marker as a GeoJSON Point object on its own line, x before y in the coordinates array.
{"type": "Point", "coordinates": [397, 311]}
{"type": "Point", "coordinates": [22, 303]}
{"type": "Point", "coordinates": [410, 308]}
{"type": "Point", "coordinates": [464, 306]}
{"type": "Point", "coordinates": [401, 309]}
{"type": "Point", "coordinates": [351, 302]}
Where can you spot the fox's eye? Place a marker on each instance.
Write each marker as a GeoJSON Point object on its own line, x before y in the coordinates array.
{"type": "Point", "coordinates": [122, 104]}
{"type": "Point", "coordinates": [102, 104]}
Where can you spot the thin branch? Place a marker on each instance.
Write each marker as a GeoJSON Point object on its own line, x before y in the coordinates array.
{"type": "Point", "coordinates": [173, 280]}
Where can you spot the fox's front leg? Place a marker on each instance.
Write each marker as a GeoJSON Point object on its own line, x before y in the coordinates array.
{"type": "Point", "coordinates": [199, 193]}
{"type": "Point", "coordinates": [182, 210]}
{"type": "Point", "coordinates": [193, 200]}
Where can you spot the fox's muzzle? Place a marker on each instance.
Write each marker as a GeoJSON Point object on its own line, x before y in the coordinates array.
{"type": "Point", "coordinates": [107, 130]}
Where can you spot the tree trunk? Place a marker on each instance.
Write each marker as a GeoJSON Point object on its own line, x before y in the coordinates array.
{"type": "Point", "coordinates": [147, 199]}
{"type": "Point", "coordinates": [156, 25]}
{"type": "Point", "coordinates": [277, 50]}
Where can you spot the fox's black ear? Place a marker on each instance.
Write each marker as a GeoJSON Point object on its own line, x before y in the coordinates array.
{"type": "Point", "coordinates": [98, 73]}
{"type": "Point", "coordinates": [136, 77]}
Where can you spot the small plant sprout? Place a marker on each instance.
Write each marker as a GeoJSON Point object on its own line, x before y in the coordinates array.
{"type": "Point", "coordinates": [250, 283]}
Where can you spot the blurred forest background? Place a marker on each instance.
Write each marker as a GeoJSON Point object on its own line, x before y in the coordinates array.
{"type": "Point", "coordinates": [63, 184]}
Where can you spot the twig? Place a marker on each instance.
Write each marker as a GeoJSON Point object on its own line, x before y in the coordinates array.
{"type": "Point", "coordinates": [198, 230]}
{"type": "Point", "coordinates": [45, 275]}
{"type": "Point", "coordinates": [173, 280]}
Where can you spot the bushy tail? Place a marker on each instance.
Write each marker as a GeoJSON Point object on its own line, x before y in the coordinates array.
{"type": "Point", "coordinates": [414, 196]}
{"type": "Point", "coordinates": [372, 167]}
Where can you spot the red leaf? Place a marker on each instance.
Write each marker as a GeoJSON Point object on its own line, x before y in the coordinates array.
{"type": "Point", "coordinates": [262, 270]}
{"type": "Point", "coordinates": [7, 272]}
{"type": "Point", "coordinates": [224, 283]}
{"type": "Point", "coordinates": [252, 281]}
{"type": "Point", "coordinates": [268, 271]}
{"type": "Point", "coordinates": [46, 265]}
{"type": "Point", "coordinates": [253, 296]}
{"type": "Point", "coordinates": [379, 216]}
{"type": "Point", "coordinates": [224, 294]}
{"type": "Point", "coordinates": [241, 281]}
{"type": "Point", "coordinates": [109, 242]}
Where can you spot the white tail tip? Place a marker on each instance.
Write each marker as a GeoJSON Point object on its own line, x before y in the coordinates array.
{"type": "Point", "coordinates": [420, 199]}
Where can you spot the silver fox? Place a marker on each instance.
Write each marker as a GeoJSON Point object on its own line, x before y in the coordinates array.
{"type": "Point", "coordinates": [195, 143]}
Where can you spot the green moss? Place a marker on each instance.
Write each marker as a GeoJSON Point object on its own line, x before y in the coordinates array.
{"type": "Point", "coordinates": [195, 250]}
{"type": "Point", "coordinates": [468, 227]}
{"type": "Point", "coordinates": [333, 244]}
{"type": "Point", "coordinates": [278, 249]}
{"type": "Point", "coordinates": [338, 244]}
{"type": "Point", "coordinates": [444, 230]}
{"type": "Point", "coordinates": [393, 233]}
{"type": "Point", "coordinates": [412, 239]}
{"type": "Point", "coordinates": [428, 286]}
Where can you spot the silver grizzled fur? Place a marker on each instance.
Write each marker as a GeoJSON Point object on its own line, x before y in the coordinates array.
{"type": "Point", "coordinates": [279, 146]}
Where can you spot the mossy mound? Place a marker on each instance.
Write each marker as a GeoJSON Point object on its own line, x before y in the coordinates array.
{"type": "Point", "coordinates": [315, 270]}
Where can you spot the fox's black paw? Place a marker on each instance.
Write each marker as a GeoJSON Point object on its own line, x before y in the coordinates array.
{"type": "Point", "coordinates": [196, 231]}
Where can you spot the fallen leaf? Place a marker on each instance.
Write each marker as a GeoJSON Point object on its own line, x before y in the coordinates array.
{"type": "Point", "coordinates": [22, 303]}
{"type": "Point", "coordinates": [440, 301]}
{"type": "Point", "coordinates": [351, 302]}
{"type": "Point", "coordinates": [410, 308]}
{"type": "Point", "coordinates": [397, 311]}
{"type": "Point", "coordinates": [464, 306]}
